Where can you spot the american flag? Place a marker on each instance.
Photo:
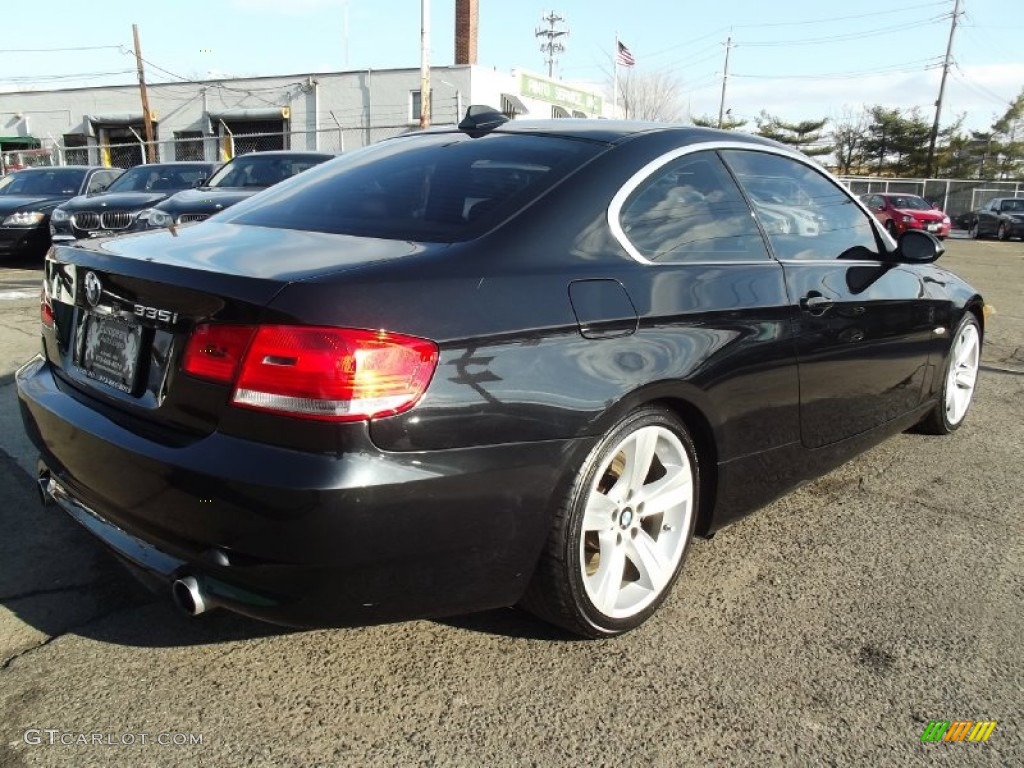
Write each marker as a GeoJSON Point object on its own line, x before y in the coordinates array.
{"type": "Point", "coordinates": [625, 56]}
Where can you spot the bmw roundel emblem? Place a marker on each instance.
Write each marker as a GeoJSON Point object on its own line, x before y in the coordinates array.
{"type": "Point", "coordinates": [93, 289]}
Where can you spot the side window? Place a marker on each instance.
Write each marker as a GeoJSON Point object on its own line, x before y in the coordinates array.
{"type": "Point", "coordinates": [100, 181]}
{"type": "Point", "coordinates": [876, 203]}
{"type": "Point", "coordinates": [805, 215]}
{"type": "Point", "coordinates": [691, 210]}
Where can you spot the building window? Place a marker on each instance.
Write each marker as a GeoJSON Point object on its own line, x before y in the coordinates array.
{"type": "Point", "coordinates": [188, 145]}
{"type": "Point", "coordinates": [76, 149]}
{"type": "Point", "coordinates": [416, 105]}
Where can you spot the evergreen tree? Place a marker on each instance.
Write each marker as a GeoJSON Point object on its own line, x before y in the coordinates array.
{"type": "Point", "coordinates": [805, 135]}
{"type": "Point", "coordinates": [707, 121]}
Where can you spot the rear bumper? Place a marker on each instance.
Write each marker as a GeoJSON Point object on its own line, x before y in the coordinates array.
{"type": "Point", "coordinates": [302, 539]}
{"type": "Point", "coordinates": [939, 230]}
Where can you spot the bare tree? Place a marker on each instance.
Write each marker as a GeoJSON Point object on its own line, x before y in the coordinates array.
{"type": "Point", "coordinates": [848, 136]}
{"type": "Point", "coordinates": [652, 96]}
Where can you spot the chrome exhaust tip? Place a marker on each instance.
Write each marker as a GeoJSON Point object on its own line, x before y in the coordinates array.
{"type": "Point", "coordinates": [188, 596]}
{"type": "Point", "coordinates": [43, 486]}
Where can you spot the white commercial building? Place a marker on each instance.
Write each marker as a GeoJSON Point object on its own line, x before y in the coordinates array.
{"type": "Point", "coordinates": [214, 119]}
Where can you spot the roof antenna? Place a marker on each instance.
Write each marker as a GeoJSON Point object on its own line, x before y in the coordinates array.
{"type": "Point", "coordinates": [481, 120]}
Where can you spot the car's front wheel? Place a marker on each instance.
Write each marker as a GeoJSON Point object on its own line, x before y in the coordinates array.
{"type": "Point", "coordinates": [1003, 233]}
{"type": "Point", "coordinates": [620, 537]}
{"type": "Point", "coordinates": [960, 379]}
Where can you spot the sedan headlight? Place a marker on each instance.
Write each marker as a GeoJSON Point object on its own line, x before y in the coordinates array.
{"type": "Point", "coordinates": [24, 219]}
{"type": "Point", "coordinates": [156, 218]}
{"type": "Point", "coordinates": [907, 219]}
{"type": "Point", "coordinates": [59, 215]}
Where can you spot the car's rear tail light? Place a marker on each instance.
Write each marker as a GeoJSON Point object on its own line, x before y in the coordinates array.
{"type": "Point", "coordinates": [335, 374]}
{"type": "Point", "coordinates": [215, 351]}
{"type": "Point", "coordinates": [45, 307]}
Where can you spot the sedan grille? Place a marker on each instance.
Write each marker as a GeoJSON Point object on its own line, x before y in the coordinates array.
{"type": "Point", "coordinates": [187, 218]}
{"type": "Point", "coordinates": [116, 219]}
{"type": "Point", "coordinates": [86, 220]}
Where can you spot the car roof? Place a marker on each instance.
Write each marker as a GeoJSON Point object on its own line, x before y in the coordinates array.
{"type": "Point", "coordinates": [177, 163]}
{"type": "Point", "coordinates": [44, 168]}
{"type": "Point", "coordinates": [615, 131]}
{"type": "Point", "coordinates": [287, 153]}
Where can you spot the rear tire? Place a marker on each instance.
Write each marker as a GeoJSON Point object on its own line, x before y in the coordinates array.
{"type": "Point", "coordinates": [1002, 233]}
{"type": "Point", "coordinates": [620, 537]}
{"type": "Point", "coordinates": [972, 231]}
{"type": "Point", "coordinates": [959, 381]}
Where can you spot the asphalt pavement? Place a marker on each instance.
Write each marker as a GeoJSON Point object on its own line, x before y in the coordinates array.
{"type": "Point", "coordinates": [828, 629]}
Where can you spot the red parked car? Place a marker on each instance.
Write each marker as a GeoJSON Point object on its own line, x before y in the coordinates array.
{"type": "Point", "coordinates": [899, 212]}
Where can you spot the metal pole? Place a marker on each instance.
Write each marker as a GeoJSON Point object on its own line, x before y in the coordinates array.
{"type": "Point", "coordinates": [424, 63]}
{"type": "Point", "coordinates": [725, 79]}
{"type": "Point", "coordinates": [942, 91]}
{"type": "Point", "coordinates": [615, 78]}
{"type": "Point", "coordinates": [147, 119]}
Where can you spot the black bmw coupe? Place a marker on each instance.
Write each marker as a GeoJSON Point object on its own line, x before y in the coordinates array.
{"type": "Point", "coordinates": [514, 363]}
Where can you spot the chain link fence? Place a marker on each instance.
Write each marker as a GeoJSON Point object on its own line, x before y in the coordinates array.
{"type": "Point", "coordinates": [188, 145]}
{"type": "Point", "coordinates": [956, 197]}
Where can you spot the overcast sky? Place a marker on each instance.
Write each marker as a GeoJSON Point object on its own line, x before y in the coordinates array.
{"type": "Point", "coordinates": [795, 59]}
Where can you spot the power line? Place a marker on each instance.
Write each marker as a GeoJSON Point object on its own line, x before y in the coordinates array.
{"type": "Point", "coordinates": [832, 19]}
{"type": "Point", "coordinates": [847, 36]}
{"type": "Point", "coordinates": [60, 50]}
{"type": "Point", "coordinates": [75, 76]}
{"type": "Point", "coordinates": [910, 66]}
{"type": "Point", "coordinates": [977, 87]}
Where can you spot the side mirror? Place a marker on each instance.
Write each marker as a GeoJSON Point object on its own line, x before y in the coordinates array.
{"type": "Point", "coordinates": [917, 247]}
{"type": "Point", "coordinates": [199, 182]}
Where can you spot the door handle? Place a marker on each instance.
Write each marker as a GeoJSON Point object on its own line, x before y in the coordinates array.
{"type": "Point", "coordinates": [815, 303]}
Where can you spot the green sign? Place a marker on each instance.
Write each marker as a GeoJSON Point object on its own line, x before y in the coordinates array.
{"type": "Point", "coordinates": [553, 92]}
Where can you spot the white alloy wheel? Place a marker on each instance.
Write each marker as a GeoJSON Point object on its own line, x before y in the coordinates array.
{"type": "Point", "coordinates": [962, 375]}
{"type": "Point", "coordinates": [636, 522]}
{"type": "Point", "coordinates": [621, 533]}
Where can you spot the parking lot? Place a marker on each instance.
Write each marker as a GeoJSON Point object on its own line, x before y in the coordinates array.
{"type": "Point", "coordinates": [827, 629]}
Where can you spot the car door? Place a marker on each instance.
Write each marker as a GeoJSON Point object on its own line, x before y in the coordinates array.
{"type": "Point", "coordinates": [988, 217]}
{"type": "Point", "coordinates": [862, 321]}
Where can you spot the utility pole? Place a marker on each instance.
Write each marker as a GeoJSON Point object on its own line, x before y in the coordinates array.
{"type": "Point", "coordinates": [147, 119]}
{"type": "Point", "coordinates": [344, 28]}
{"type": "Point", "coordinates": [930, 168]}
{"type": "Point", "coordinates": [550, 44]}
{"type": "Point", "coordinates": [725, 79]}
{"type": "Point", "coordinates": [424, 63]}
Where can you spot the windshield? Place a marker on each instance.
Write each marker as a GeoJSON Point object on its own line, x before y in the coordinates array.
{"type": "Point", "coordinates": [261, 171]}
{"type": "Point", "coordinates": [157, 178]}
{"type": "Point", "coordinates": [56, 182]}
{"type": "Point", "coordinates": [911, 203]}
{"type": "Point", "coordinates": [434, 188]}
{"type": "Point", "coordinates": [1012, 205]}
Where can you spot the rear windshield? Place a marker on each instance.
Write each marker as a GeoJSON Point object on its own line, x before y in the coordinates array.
{"type": "Point", "coordinates": [431, 188]}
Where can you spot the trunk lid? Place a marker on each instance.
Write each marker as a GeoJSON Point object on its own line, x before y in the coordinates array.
{"type": "Point", "coordinates": [124, 309]}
